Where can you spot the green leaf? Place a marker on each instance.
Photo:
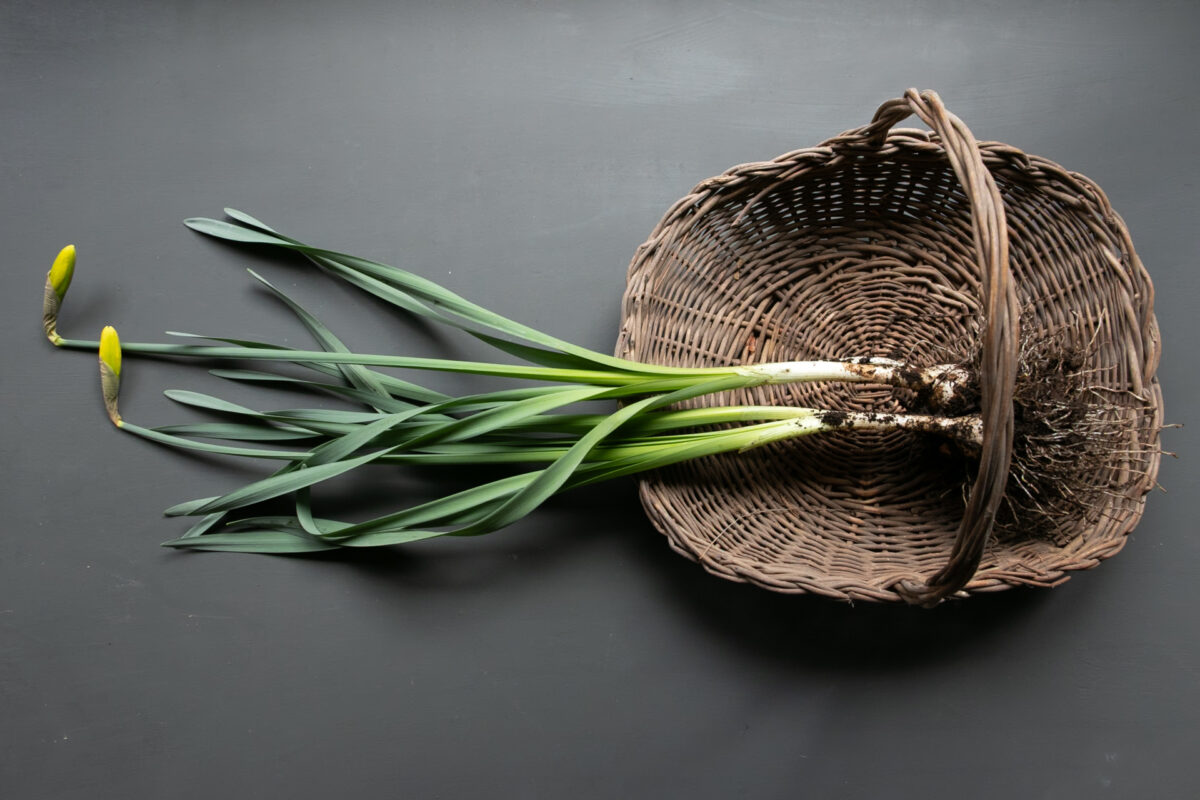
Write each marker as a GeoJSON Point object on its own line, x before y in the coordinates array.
{"type": "Point", "coordinates": [554, 477]}
{"type": "Point", "coordinates": [326, 369]}
{"type": "Point", "coordinates": [357, 376]}
{"type": "Point", "coordinates": [549, 480]}
{"type": "Point", "coordinates": [493, 505]}
{"type": "Point", "coordinates": [339, 448]}
{"type": "Point", "coordinates": [277, 485]}
{"type": "Point", "coordinates": [207, 447]}
{"type": "Point", "coordinates": [531, 372]}
{"type": "Point", "coordinates": [539, 355]}
{"type": "Point", "coordinates": [203, 526]}
{"type": "Point", "coordinates": [390, 537]}
{"type": "Point", "coordinates": [302, 416]}
{"type": "Point", "coordinates": [209, 403]}
{"type": "Point", "coordinates": [235, 432]}
{"type": "Point", "coordinates": [449, 510]}
{"type": "Point", "coordinates": [685, 449]}
{"type": "Point", "coordinates": [187, 509]}
{"type": "Point", "coordinates": [384, 291]}
{"type": "Point", "coordinates": [502, 415]}
{"type": "Point", "coordinates": [246, 219]}
{"type": "Point", "coordinates": [252, 541]}
{"type": "Point", "coordinates": [396, 387]}
{"type": "Point", "coordinates": [234, 233]}
{"type": "Point", "coordinates": [412, 288]}
{"type": "Point", "coordinates": [304, 514]}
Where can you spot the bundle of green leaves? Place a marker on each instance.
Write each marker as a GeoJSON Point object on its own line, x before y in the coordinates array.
{"type": "Point", "coordinates": [533, 429]}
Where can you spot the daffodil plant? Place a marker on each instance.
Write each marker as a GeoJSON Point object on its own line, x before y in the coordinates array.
{"type": "Point", "coordinates": [525, 430]}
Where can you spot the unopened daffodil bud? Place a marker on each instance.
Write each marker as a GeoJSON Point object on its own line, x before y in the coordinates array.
{"type": "Point", "coordinates": [110, 371]}
{"type": "Point", "coordinates": [58, 280]}
{"type": "Point", "coordinates": [62, 271]}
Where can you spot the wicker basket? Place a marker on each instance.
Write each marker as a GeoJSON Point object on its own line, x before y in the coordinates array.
{"type": "Point", "coordinates": [905, 243]}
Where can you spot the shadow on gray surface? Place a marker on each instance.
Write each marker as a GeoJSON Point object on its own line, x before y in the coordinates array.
{"type": "Point", "coordinates": [809, 632]}
{"type": "Point", "coordinates": [837, 636]}
{"type": "Point", "coordinates": [830, 635]}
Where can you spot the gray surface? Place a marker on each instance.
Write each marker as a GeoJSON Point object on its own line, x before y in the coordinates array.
{"type": "Point", "coordinates": [519, 154]}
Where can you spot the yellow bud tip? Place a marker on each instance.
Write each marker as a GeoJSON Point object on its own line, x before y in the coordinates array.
{"type": "Point", "coordinates": [110, 372]}
{"type": "Point", "coordinates": [110, 349]}
{"type": "Point", "coordinates": [62, 271]}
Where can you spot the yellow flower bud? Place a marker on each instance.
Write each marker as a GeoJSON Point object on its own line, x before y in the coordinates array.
{"type": "Point", "coordinates": [58, 280]}
{"type": "Point", "coordinates": [62, 271]}
{"type": "Point", "coordinates": [110, 349]}
{"type": "Point", "coordinates": [110, 371]}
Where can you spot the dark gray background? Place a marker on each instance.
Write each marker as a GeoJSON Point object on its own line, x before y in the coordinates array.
{"type": "Point", "coordinates": [518, 153]}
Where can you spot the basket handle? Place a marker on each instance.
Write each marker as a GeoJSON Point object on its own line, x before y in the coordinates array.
{"type": "Point", "coordinates": [998, 365]}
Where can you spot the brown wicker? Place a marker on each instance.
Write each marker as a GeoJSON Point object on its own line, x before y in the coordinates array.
{"type": "Point", "coordinates": [906, 243]}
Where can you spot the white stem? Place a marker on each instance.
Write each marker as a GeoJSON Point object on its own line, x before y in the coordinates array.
{"type": "Point", "coordinates": [966, 430]}
{"type": "Point", "coordinates": [946, 380]}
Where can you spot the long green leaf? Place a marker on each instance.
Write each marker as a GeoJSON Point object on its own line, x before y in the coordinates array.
{"type": "Point", "coordinates": [521, 493]}
{"type": "Point", "coordinates": [284, 484]}
{"type": "Point", "coordinates": [253, 541]}
{"type": "Point", "coordinates": [236, 432]}
{"type": "Point", "coordinates": [529, 372]}
{"type": "Point", "coordinates": [187, 508]}
{"type": "Point", "coordinates": [423, 289]}
{"type": "Point", "coordinates": [358, 376]}
{"type": "Point", "coordinates": [554, 477]}
{"type": "Point", "coordinates": [209, 403]}
{"type": "Point", "coordinates": [246, 219]}
{"type": "Point", "coordinates": [341, 447]}
{"type": "Point", "coordinates": [208, 447]}
{"type": "Point", "coordinates": [396, 386]}
{"type": "Point", "coordinates": [448, 510]}
{"type": "Point", "coordinates": [235, 233]}
{"type": "Point", "coordinates": [500, 416]}
{"type": "Point", "coordinates": [401, 393]}
{"type": "Point", "coordinates": [203, 526]}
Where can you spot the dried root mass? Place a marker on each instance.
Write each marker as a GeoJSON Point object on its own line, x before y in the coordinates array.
{"type": "Point", "coordinates": [1072, 444]}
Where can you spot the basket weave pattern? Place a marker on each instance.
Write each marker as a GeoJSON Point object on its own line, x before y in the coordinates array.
{"type": "Point", "coordinates": [921, 245]}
